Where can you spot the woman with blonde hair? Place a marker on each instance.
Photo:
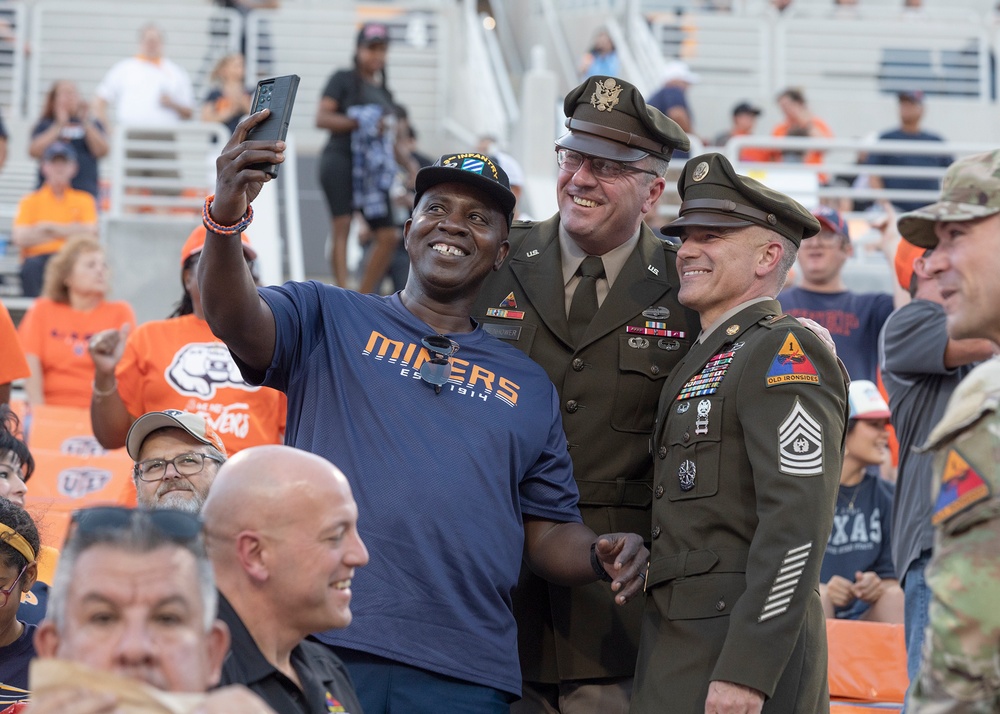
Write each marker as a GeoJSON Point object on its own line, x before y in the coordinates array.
{"type": "Point", "coordinates": [229, 99]}
{"type": "Point", "coordinates": [57, 327]}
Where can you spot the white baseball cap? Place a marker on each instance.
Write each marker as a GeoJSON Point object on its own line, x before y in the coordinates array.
{"type": "Point", "coordinates": [866, 401]}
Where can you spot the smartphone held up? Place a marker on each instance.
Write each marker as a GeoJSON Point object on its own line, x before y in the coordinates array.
{"type": "Point", "coordinates": [278, 95]}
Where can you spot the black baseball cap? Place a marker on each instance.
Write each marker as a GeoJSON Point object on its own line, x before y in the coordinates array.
{"type": "Point", "coordinates": [746, 108]}
{"type": "Point", "coordinates": [476, 170]}
{"type": "Point", "coordinates": [373, 33]}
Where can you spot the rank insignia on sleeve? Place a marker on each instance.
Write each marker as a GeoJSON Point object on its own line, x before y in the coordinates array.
{"type": "Point", "coordinates": [961, 487]}
{"type": "Point", "coordinates": [791, 364]}
{"type": "Point", "coordinates": [509, 301]}
{"type": "Point", "coordinates": [800, 443]}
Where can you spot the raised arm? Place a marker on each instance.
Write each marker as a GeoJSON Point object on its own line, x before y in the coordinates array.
{"type": "Point", "coordinates": [233, 309]}
{"type": "Point", "coordinates": [109, 417]}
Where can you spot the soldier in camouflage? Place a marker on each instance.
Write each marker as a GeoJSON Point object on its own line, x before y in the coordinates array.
{"type": "Point", "coordinates": [960, 671]}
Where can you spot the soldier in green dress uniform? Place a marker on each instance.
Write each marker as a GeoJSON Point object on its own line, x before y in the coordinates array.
{"type": "Point", "coordinates": [747, 448]}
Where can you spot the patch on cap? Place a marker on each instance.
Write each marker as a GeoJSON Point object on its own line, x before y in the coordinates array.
{"type": "Point", "coordinates": [714, 195]}
{"type": "Point", "coordinates": [605, 96]}
{"type": "Point", "coordinates": [474, 169]}
{"type": "Point", "coordinates": [607, 117]}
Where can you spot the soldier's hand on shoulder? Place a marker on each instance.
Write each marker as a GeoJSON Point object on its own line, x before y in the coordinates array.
{"type": "Point", "coordinates": [821, 332]}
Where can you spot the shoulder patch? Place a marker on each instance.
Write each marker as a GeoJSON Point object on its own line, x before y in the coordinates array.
{"type": "Point", "coordinates": [791, 364]}
{"type": "Point", "coordinates": [800, 443]}
{"type": "Point", "coordinates": [961, 488]}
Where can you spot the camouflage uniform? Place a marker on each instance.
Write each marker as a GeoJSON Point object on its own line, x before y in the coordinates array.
{"type": "Point", "coordinates": [960, 671]}
{"type": "Point", "coordinates": [961, 666]}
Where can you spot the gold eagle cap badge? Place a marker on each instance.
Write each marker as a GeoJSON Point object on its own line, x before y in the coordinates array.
{"type": "Point", "coordinates": [605, 96]}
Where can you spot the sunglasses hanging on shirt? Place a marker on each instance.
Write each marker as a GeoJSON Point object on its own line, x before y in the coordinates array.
{"type": "Point", "coordinates": [437, 370]}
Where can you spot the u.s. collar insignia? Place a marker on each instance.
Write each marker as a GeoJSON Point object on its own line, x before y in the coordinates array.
{"type": "Point", "coordinates": [605, 96]}
{"type": "Point", "coordinates": [700, 171]}
{"type": "Point", "coordinates": [656, 313]}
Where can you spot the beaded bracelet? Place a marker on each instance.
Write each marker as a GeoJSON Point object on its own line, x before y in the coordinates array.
{"type": "Point", "coordinates": [222, 230]}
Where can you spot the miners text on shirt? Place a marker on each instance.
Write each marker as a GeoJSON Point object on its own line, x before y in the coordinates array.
{"type": "Point", "coordinates": [467, 379]}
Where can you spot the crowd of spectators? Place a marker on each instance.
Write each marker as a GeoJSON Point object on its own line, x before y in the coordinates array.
{"type": "Point", "coordinates": [82, 350]}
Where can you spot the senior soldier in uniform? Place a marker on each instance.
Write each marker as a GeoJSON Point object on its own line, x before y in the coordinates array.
{"type": "Point", "coordinates": [608, 337]}
{"type": "Point", "coordinates": [747, 449]}
{"type": "Point", "coordinates": [960, 672]}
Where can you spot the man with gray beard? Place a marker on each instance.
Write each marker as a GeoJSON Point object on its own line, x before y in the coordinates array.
{"type": "Point", "coordinates": [176, 455]}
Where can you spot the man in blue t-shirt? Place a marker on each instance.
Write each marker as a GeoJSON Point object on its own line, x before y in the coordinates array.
{"type": "Point", "coordinates": [911, 112]}
{"type": "Point", "coordinates": [451, 439]}
{"type": "Point", "coordinates": [853, 319]}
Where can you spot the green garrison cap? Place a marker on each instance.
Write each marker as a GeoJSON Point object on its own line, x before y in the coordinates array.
{"type": "Point", "coordinates": [714, 195]}
{"type": "Point", "coordinates": [970, 190]}
{"type": "Point", "coordinates": [607, 117]}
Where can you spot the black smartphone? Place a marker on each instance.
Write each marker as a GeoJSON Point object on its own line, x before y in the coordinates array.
{"type": "Point", "coordinates": [278, 95]}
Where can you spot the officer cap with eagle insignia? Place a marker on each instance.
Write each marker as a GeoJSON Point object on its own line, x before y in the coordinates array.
{"type": "Point", "coordinates": [608, 117]}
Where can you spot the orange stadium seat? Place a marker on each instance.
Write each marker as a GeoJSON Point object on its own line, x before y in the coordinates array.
{"type": "Point", "coordinates": [867, 666]}
{"type": "Point", "coordinates": [71, 470]}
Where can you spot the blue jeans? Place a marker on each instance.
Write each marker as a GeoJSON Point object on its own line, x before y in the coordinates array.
{"type": "Point", "coordinates": [385, 686]}
{"type": "Point", "coordinates": [918, 599]}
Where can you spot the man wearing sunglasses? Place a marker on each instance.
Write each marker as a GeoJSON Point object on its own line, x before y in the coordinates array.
{"type": "Point", "coordinates": [452, 440]}
{"type": "Point", "coordinates": [134, 596]}
{"type": "Point", "coordinates": [608, 352]}
{"type": "Point", "coordinates": [177, 455]}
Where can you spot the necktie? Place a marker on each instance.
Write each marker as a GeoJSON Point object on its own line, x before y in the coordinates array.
{"type": "Point", "coordinates": [584, 305]}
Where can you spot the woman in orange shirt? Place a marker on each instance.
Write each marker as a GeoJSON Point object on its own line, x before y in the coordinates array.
{"type": "Point", "coordinates": [56, 329]}
{"type": "Point", "coordinates": [799, 121]}
{"type": "Point", "coordinates": [178, 363]}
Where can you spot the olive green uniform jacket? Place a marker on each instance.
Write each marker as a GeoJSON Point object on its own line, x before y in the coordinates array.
{"type": "Point", "coordinates": [745, 482]}
{"type": "Point", "coordinates": [609, 386]}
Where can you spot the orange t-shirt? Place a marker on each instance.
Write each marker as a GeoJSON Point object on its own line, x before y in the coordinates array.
{"type": "Point", "coordinates": [43, 205]}
{"type": "Point", "coordinates": [179, 364]}
{"type": "Point", "coordinates": [811, 157]}
{"type": "Point", "coordinates": [12, 363]}
{"type": "Point", "coordinates": [58, 335]}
